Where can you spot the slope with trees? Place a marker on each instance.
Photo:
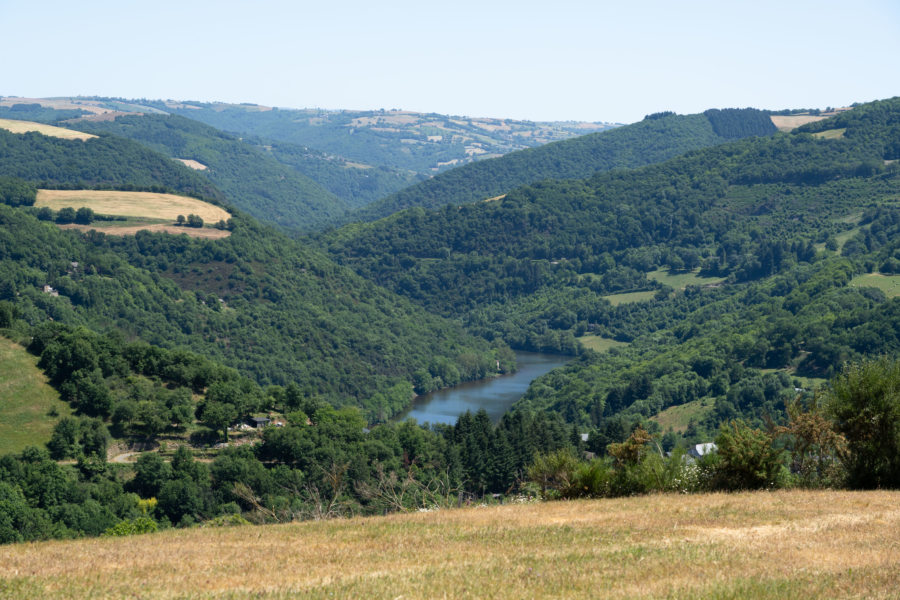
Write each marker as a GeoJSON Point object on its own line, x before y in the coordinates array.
{"type": "Point", "coordinates": [655, 139]}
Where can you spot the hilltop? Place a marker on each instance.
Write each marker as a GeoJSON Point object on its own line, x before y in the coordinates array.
{"type": "Point", "coordinates": [763, 544]}
{"type": "Point", "coordinates": [655, 139]}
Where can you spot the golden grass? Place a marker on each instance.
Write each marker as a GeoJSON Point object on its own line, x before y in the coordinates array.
{"type": "Point", "coordinates": [780, 545]}
{"type": "Point", "coordinates": [791, 122]}
{"type": "Point", "coordinates": [196, 232]}
{"type": "Point", "coordinates": [48, 130]}
{"type": "Point", "coordinates": [599, 343]}
{"type": "Point", "coordinates": [132, 204]}
{"type": "Point", "coordinates": [889, 284]}
{"type": "Point", "coordinates": [193, 164]}
{"type": "Point", "coordinates": [25, 400]}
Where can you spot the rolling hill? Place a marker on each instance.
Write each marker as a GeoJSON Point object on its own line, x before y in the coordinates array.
{"type": "Point", "coordinates": [655, 139]}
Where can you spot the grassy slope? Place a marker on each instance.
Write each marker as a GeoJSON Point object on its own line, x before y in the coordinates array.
{"type": "Point", "coordinates": [794, 544]}
{"type": "Point", "coordinates": [132, 204]}
{"type": "Point", "coordinates": [25, 400]}
{"type": "Point", "coordinates": [25, 126]}
{"type": "Point", "coordinates": [889, 284]}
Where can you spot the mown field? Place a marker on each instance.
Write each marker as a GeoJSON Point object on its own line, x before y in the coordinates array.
{"type": "Point", "coordinates": [132, 204]}
{"type": "Point", "coordinates": [598, 343]}
{"type": "Point", "coordinates": [48, 130]}
{"type": "Point", "coordinates": [25, 400]}
{"type": "Point", "coordinates": [795, 544]}
{"type": "Point", "coordinates": [889, 284]}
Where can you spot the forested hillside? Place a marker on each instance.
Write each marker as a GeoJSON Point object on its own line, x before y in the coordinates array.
{"type": "Point", "coordinates": [655, 139]}
{"type": "Point", "coordinates": [404, 140]}
{"type": "Point", "coordinates": [761, 217]}
{"type": "Point", "coordinates": [253, 181]}
{"type": "Point", "coordinates": [106, 161]}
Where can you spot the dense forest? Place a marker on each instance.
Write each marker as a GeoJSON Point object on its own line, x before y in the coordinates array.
{"type": "Point", "coordinates": [655, 139]}
{"type": "Point", "coordinates": [729, 283]}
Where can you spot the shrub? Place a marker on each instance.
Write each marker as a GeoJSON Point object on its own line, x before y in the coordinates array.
{"type": "Point", "coordinates": [748, 458]}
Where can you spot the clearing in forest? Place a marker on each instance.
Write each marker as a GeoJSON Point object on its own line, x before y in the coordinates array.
{"type": "Point", "coordinates": [48, 130]}
{"type": "Point", "coordinates": [598, 343]}
{"type": "Point", "coordinates": [680, 280]}
{"type": "Point", "coordinates": [26, 401]}
{"type": "Point", "coordinates": [889, 284]}
{"type": "Point", "coordinates": [782, 544]}
{"type": "Point", "coordinates": [132, 204]}
{"type": "Point", "coordinates": [679, 417]}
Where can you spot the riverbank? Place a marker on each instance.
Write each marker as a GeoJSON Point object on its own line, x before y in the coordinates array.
{"type": "Point", "coordinates": [495, 394]}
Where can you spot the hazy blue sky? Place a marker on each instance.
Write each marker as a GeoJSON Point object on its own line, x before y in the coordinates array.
{"type": "Point", "coordinates": [547, 60]}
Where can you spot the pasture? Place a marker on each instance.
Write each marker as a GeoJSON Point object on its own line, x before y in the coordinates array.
{"type": "Point", "coordinates": [598, 343]}
{"type": "Point", "coordinates": [132, 204]}
{"type": "Point", "coordinates": [783, 544]}
{"type": "Point", "coordinates": [889, 284]}
{"type": "Point", "coordinates": [617, 299]}
{"type": "Point", "coordinates": [25, 400]}
{"type": "Point", "coordinates": [680, 280]}
{"type": "Point", "coordinates": [48, 130]}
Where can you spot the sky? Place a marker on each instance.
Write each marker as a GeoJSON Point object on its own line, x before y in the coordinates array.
{"type": "Point", "coordinates": [540, 61]}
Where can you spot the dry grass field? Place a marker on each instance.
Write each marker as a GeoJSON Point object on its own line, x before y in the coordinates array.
{"type": "Point", "coordinates": [193, 164]}
{"type": "Point", "coordinates": [197, 232]}
{"type": "Point", "coordinates": [48, 130]}
{"type": "Point", "coordinates": [794, 544]}
{"type": "Point", "coordinates": [790, 122]}
{"type": "Point", "coordinates": [25, 400]}
{"type": "Point", "coordinates": [132, 204]}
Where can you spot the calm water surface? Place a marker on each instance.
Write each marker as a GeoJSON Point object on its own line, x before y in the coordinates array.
{"type": "Point", "coordinates": [494, 395]}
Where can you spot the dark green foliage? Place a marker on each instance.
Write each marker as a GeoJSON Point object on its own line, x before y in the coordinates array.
{"type": "Point", "coordinates": [39, 114]}
{"type": "Point", "coordinates": [647, 142]}
{"type": "Point", "coordinates": [749, 460]}
{"type": "Point", "coordinates": [256, 301]}
{"type": "Point", "coordinates": [106, 161]}
{"type": "Point", "coordinates": [736, 123]}
{"type": "Point", "coordinates": [85, 216]}
{"type": "Point", "coordinates": [865, 401]}
{"type": "Point", "coordinates": [17, 192]}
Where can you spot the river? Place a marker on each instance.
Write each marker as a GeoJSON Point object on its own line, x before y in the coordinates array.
{"type": "Point", "coordinates": [495, 395]}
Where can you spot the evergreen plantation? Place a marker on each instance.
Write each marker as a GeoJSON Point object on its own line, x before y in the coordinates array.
{"type": "Point", "coordinates": [157, 337]}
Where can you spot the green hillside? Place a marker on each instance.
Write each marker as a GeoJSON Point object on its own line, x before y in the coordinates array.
{"type": "Point", "coordinates": [253, 181]}
{"type": "Point", "coordinates": [655, 139]}
{"type": "Point", "coordinates": [29, 407]}
{"type": "Point", "coordinates": [532, 269]}
{"type": "Point", "coordinates": [409, 141]}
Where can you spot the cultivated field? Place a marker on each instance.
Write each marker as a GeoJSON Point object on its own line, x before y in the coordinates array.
{"type": "Point", "coordinates": [132, 204]}
{"type": "Point", "coordinates": [48, 130]}
{"type": "Point", "coordinates": [789, 122]}
{"type": "Point", "coordinates": [25, 400]}
{"type": "Point", "coordinates": [197, 232]}
{"type": "Point", "coordinates": [193, 164]}
{"type": "Point", "coordinates": [766, 544]}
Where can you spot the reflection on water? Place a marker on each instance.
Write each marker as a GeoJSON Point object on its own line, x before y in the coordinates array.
{"type": "Point", "coordinates": [494, 395]}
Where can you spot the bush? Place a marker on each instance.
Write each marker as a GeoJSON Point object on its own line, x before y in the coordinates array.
{"type": "Point", "coordinates": [748, 458]}
{"type": "Point", "coordinates": [132, 527]}
{"type": "Point", "coordinates": [865, 402]}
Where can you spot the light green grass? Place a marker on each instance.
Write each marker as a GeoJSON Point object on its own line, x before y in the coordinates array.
{"type": "Point", "coordinates": [679, 281]}
{"type": "Point", "coordinates": [889, 284]}
{"type": "Point", "coordinates": [831, 134]}
{"type": "Point", "coordinates": [679, 417]}
{"type": "Point", "coordinates": [25, 400]}
{"type": "Point", "coordinates": [598, 343]}
{"type": "Point", "coordinates": [617, 299]}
